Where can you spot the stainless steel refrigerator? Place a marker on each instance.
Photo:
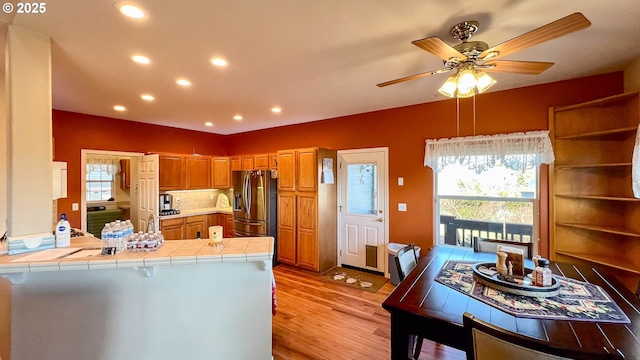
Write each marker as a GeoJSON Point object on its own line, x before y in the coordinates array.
{"type": "Point", "coordinates": [255, 207]}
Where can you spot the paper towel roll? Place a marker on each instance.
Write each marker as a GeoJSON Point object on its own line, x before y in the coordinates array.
{"type": "Point", "coordinates": [215, 234]}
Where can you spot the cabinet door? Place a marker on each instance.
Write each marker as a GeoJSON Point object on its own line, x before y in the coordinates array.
{"type": "Point", "coordinates": [220, 173]}
{"type": "Point", "coordinates": [273, 161]}
{"type": "Point", "coordinates": [307, 239]}
{"type": "Point", "coordinates": [247, 162]}
{"type": "Point", "coordinates": [215, 220]}
{"type": "Point", "coordinates": [261, 162]}
{"type": "Point", "coordinates": [198, 172]}
{"type": "Point", "coordinates": [286, 228]}
{"type": "Point", "coordinates": [286, 170]}
{"type": "Point", "coordinates": [172, 229]}
{"type": "Point", "coordinates": [236, 163]}
{"type": "Point", "coordinates": [307, 176]}
{"type": "Point", "coordinates": [228, 225]}
{"type": "Point", "coordinates": [125, 174]}
{"type": "Point", "coordinates": [195, 225]}
{"type": "Point", "coordinates": [171, 172]}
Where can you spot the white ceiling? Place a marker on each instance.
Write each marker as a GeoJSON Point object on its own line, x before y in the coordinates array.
{"type": "Point", "coordinates": [317, 59]}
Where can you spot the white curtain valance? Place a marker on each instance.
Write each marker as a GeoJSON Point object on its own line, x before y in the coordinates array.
{"type": "Point", "coordinates": [472, 150]}
{"type": "Point", "coordinates": [109, 165]}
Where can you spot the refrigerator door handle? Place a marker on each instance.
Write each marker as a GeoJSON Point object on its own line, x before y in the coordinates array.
{"type": "Point", "coordinates": [246, 223]}
{"type": "Point", "coordinates": [248, 194]}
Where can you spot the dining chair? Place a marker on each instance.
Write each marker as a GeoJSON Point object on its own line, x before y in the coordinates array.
{"type": "Point", "coordinates": [489, 342]}
{"type": "Point", "coordinates": [406, 260]}
{"type": "Point", "coordinates": [491, 245]}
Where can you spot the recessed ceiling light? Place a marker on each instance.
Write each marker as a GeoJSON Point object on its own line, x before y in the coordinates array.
{"type": "Point", "coordinates": [130, 10]}
{"type": "Point", "coordinates": [218, 61]}
{"type": "Point", "coordinates": [183, 82]}
{"type": "Point", "coordinates": [147, 97]}
{"type": "Point", "coordinates": [119, 108]}
{"type": "Point", "coordinates": [237, 117]}
{"type": "Point", "coordinates": [276, 109]}
{"type": "Point", "coordinates": [208, 123]}
{"type": "Point", "coordinates": [140, 59]}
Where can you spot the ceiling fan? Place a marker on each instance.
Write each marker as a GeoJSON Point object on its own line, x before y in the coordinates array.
{"type": "Point", "coordinates": [471, 59]}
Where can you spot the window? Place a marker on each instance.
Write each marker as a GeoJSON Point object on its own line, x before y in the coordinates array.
{"type": "Point", "coordinates": [100, 181]}
{"type": "Point", "coordinates": [486, 186]}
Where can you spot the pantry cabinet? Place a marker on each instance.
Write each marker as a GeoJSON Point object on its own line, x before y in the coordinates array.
{"type": "Point", "coordinates": [198, 172]}
{"type": "Point", "coordinates": [171, 172]}
{"type": "Point", "coordinates": [593, 210]}
{"type": "Point", "coordinates": [220, 173]}
{"type": "Point", "coordinates": [307, 229]}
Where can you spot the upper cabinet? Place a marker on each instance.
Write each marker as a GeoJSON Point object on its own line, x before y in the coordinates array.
{"type": "Point", "coordinates": [172, 170]}
{"type": "Point", "coordinates": [198, 172]}
{"type": "Point", "coordinates": [236, 163]}
{"type": "Point", "coordinates": [247, 162]}
{"type": "Point", "coordinates": [287, 170]}
{"type": "Point", "coordinates": [593, 210]}
{"type": "Point", "coordinates": [261, 162]}
{"type": "Point", "coordinates": [298, 170]}
{"type": "Point", "coordinates": [220, 172]}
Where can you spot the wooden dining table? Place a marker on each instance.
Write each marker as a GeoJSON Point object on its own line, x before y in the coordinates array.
{"type": "Point", "coordinates": [421, 306]}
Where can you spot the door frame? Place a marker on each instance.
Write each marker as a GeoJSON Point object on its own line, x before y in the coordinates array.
{"type": "Point", "coordinates": [341, 190]}
{"type": "Point", "coordinates": [83, 176]}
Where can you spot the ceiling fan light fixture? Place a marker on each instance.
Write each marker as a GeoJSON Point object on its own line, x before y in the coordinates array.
{"type": "Point", "coordinates": [466, 83]}
{"type": "Point", "coordinates": [483, 81]}
{"type": "Point", "coordinates": [449, 87]}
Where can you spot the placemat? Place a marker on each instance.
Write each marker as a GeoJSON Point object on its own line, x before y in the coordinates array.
{"type": "Point", "coordinates": [577, 300]}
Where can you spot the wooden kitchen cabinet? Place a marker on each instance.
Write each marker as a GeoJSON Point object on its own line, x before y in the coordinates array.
{"type": "Point", "coordinates": [593, 209]}
{"type": "Point", "coordinates": [273, 161]}
{"type": "Point", "coordinates": [198, 172]}
{"type": "Point", "coordinates": [307, 225]}
{"type": "Point", "coordinates": [125, 174]}
{"type": "Point", "coordinates": [286, 170]}
{"type": "Point", "coordinates": [171, 172]}
{"type": "Point", "coordinates": [173, 229]}
{"type": "Point", "coordinates": [236, 163]}
{"type": "Point", "coordinates": [247, 162]}
{"type": "Point", "coordinates": [220, 173]}
{"type": "Point", "coordinates": [261, 162]}
{"type": "Point", "coordinates": [228, 226]}
{"type": "Point", "coordinates": [286, 228]}
{"type": "Point", "coordinates": [194, 225]}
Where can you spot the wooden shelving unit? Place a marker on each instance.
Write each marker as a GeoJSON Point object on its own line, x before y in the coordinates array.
{"type": "Point", "coordinates": [594, 215]}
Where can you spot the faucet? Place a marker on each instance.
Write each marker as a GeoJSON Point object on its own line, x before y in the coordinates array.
{"type": "Point", "coordinates": [151, 223]}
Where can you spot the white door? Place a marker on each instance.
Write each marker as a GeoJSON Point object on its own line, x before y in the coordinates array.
{"type": "Point", "coordinates": [148, 192]}
{"type": "Point", "coordinates": [363, 208]}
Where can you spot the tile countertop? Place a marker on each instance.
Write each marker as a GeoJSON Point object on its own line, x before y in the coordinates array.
{"type": "Point", "coordinates": [201, 211]}
{"type": "Point", "coordinates": [173, 252]}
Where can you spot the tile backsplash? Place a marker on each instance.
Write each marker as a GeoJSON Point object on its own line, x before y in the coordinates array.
{"type": "Point", "coordinates": [197, 199]}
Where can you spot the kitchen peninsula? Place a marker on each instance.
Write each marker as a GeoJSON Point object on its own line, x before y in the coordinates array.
{"type": "Point", "coordinates": [187, 300]}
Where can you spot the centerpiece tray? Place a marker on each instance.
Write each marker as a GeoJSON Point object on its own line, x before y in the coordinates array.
{"type": "Point", "coordinates": [514, 284]}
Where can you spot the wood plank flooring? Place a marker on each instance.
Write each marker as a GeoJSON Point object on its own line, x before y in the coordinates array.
{"type": "Point", "coordinates": [320, 320]}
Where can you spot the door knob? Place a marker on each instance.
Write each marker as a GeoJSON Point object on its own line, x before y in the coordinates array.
{"type": "Point", "coordinates": [380, 220]}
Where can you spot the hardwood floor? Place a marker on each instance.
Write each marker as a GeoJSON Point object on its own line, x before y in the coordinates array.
{"type": "Point", "coordinates": [320, 320]}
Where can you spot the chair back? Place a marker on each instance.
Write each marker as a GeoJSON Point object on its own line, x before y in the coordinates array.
{"type": "Point", "coordinates": [488, 342]}
{"type": "Point", "coordinates": [406, 260]}
{"type": "Point", "coordinates": [491, 246]}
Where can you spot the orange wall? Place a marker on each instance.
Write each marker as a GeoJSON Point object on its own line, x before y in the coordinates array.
{"type": "Point", "coordinates": [73, 132]}
{"type": "Point", "coordinates": [402, 130]}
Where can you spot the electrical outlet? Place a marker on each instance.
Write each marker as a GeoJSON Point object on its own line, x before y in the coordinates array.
{"type": "Point", "coordinates": [75, 207]}
{"type": "Point", "coordinates": [402, 207]}
{"type": "Point", "coordinates": [211, 197]}
{"type": "Point", "coordinates": [177, 199]}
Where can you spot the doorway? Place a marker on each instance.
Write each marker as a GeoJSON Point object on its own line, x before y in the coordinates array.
{"type": "Point", "coordinates": [363, 207]}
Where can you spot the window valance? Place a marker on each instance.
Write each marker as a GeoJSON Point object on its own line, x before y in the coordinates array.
{"type": "Point", "coordinates": [535, 146]}
{"type": "Point", "coordinates": [107, 164]}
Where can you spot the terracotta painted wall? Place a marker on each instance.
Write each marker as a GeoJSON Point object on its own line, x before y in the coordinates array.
{"type": "Point", "coordinates": [73, 132]}
{"type": "Point", "coordinates": [404, 130]}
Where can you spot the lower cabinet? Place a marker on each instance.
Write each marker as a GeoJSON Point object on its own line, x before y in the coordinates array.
{"type": "Point", "coordinates": [224, 220]}
{"type": "Point", "coordinates": [228, 225]}
{"type": "Point", "coordinates": [196, 227]}
{"type": "Point", "coordinates": [172, 229]}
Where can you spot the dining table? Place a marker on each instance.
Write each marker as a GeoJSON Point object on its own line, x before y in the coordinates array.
{"type": "Point", "coordinates": [421, 306]}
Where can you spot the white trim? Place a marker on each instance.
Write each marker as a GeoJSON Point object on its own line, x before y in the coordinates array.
{"type": "Point", "coordinates": [385, 151]}
{"type": "Point", "coordinates": [83, 178]}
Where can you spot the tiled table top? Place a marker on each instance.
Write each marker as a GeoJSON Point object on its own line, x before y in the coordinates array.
{"type": "Point", "coordinates": [173, 252]}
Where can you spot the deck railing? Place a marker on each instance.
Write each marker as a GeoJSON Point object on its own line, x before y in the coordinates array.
{"type": "Point", "coordinates": [460, 231]}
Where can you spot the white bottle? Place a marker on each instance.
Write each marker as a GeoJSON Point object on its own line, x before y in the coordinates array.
{"type": "Point", "coordinates": [104, 234]}
{"type": "Point", "coordinates": [63, 232]}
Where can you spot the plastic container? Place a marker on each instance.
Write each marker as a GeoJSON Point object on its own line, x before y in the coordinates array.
{"type": "Point", "coordinates": [392, 250]}
{"type": "Point", "coordinates": [63, 232]}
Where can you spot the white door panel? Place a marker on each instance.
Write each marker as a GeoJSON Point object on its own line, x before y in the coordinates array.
{"type": "Point", "coordinates": [148, 192]}
{"type": "Point", "coordinates": [363, 208]}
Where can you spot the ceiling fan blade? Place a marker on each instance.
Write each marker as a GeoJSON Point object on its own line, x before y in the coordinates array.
{"type": "Point", "coordinates": [436, 46]}
{"type": "Point", "coordinates": [412, 77]}
{"type": "Point", "coordinates": [553, 30]}
{"type": "Point", "coordinates": [520, 67]}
